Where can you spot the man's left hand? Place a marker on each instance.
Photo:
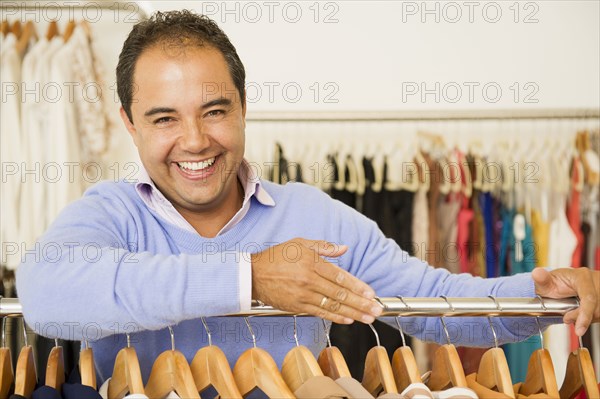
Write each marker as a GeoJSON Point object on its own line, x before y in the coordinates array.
{"type": "Point", "coordinates": [564, 283]}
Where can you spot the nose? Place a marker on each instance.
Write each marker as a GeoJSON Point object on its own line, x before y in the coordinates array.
{"type": "Point", "coordinates": [194, 138]}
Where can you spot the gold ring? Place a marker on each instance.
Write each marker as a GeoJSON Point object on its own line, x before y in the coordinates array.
{"type": "Point", "coordinates": [324, 301]}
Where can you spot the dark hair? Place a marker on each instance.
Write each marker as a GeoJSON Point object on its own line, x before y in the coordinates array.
{"type": "Point", "coordinates": [174, 28]}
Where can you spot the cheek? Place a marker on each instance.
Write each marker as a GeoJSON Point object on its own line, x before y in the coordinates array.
{"type": "Point", "coordinates": [155, 147]}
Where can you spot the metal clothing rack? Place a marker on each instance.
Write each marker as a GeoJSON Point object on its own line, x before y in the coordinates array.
{"type": "Point", "coordinates": [422, 307]}
{"type": "Point", "coordinates": [12, 9]}
{"type": "Point", "coordinates": [423, 115]}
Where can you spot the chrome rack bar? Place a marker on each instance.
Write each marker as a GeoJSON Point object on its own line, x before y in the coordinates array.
{"type": "Point", "coordinates": [449, 307]}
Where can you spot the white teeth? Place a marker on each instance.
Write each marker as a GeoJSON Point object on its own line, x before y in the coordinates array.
{"type": "Point", "coordinates": [195, 166]}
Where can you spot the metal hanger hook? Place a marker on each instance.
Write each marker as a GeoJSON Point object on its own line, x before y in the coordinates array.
{"type": "Point", "coordinates": [25, 332]}
{"type": "Point", "coordinates": [246, 319]}
{"type": "Point", "coordinates": [537, 321]}
{"type": "Point", "coordinates": [490, 320]}
{"type": "Point", "coordinates": [444, 321]}
{"type": "Point", "coordinates": [208, 334]}
{"type": "Point", "coordinates": [398, 320]}
{"type": "Point", "coordinates": [172, 338]}
{"type": "Point", "coordinates": [3, 332]}
{"type": "Point", "coordinates": [296, 331]}
{"type": "Point", "coordinates": [326, 332]}
{"type": "Point", "coordinates": [128, 340]}
{"type": "Point", "coordinates": [376, 335]}
{"type": "Point", "coordinates": [580, 338]}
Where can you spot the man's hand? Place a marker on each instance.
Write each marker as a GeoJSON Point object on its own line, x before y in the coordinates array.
{"type": "Point", "coordinates": [294, 277]}
{"type": "Point", "coordinates": [563, 283]}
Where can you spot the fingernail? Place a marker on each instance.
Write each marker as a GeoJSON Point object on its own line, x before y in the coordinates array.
{"type": "Point", "coordinates": [580, 331]}
{"type": "Point", "coordinates": [369, 294]}
{"type": "Point", "coordinates": [367, 319]}
{"type": "Point", "coordinates": [348, 320]}
{"type": "Point", "coordinates": [376, 310]}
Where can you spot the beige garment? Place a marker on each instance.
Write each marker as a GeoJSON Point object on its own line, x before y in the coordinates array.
{"type": "Point", "coordinates": [417, 391]}
{"type": "Point", "coordinates": [482, 391]}
{"type": "Point", "coordinates": [354, 388]}
{"type": "Point", "coordinates": [455, 393]}
{"type": "Point", "coordinates": [391, 396]}
{"type": "Point", "coordinates": [320, 387]}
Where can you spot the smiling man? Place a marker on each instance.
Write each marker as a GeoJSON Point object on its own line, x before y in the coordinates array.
{"type": "Point", "coordinates": [197, 235]}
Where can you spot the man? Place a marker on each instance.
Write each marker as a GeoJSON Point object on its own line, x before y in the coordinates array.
{"type": "Point", "coordinates": [198, 236]}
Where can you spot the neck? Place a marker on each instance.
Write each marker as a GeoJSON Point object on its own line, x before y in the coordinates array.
{"type": "Point", "coordinates": [209, 223]}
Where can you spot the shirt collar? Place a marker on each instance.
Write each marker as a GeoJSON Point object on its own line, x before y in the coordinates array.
{"type": "Point", "coordinates": [145, 187]}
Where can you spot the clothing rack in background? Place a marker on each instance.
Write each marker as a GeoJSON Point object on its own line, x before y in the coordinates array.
{"type": "Point", "coordinates": [424, 115]}
{"type": "Point", "coordinates": [10, 9]}
{"type": "Point", "coordinates": [399, 306]}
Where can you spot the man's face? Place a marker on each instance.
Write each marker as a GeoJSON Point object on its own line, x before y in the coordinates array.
{"type": "Point", "coordinates": [188, 125]}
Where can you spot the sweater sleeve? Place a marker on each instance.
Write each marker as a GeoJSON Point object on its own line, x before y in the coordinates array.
{"type": "Point", "coordinates": [85, 279]}
{"type": "Point", "coordinates": [391, 271]}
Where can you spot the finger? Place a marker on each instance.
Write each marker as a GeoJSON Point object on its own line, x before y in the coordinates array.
{"type": "Point", "coordinates": [339, 308]}
{"type": "Point", "coordinates": [362, 307]}
{"type": "Point", "coordinates": [587, 302]}
{"type": "Point", "coordinates": [326, 314]}
{"type": "Point", "coordinates": [543, 281]}
{"type": "Point", "coordinates": [326, 248]}
{"type": "Point", "coordinates": [342, 278]}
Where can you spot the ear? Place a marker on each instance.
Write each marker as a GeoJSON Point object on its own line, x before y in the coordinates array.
{"type": "Point", "coordinates": [129, 125]}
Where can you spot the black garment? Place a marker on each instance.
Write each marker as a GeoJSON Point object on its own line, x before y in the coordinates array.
{"type": "Point", "coordinates": [46, 392]}
{"type": "Point", "coordinates": [346, 197]}
{"type": "Point", "coordinates": [79, 391]}
{"type": "Point", "coordinates": [372, 200]}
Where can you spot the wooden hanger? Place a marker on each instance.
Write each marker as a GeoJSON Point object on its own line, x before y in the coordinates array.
{"type": "Point", "coordinates": [404, 364]}
{"type": "Point", "coordinates": [255, 368]}
{"type": "Point", "coordinates": [171, 373]}
{"type": "Point", "coordinates": [55, 368]}
{"type": "Point", "coordinates": [7, 376]}
{"type": "Point", "coordinates": [69, 30]}
{"type": "Point", "coordinates": [540, 377]}
{"type": "Point", "coordinates": [28, 32]}
{"type": "Point", "coordinates": [87, 368]}
{"type": "Point", "coordinates": [52, 30]}
{"type": "Point", "coordinates": [211, 368]}
{"type": "Point", "coordinates": [446, 369]}
{"type": "Point", "coordinates": [331, 361]}
{"type": "Point", "coordinates": [126, 376]}
{"type": "Point", "coordinates": [580, 375]}
{"type": "Point", "coordinates": [493, 371]}
{"type": "Point", "coordinates": [378, 376]}
{"type": "Point", "coordinates": [16, 29]}
{"type": "Point", "coordinates": [4, 28]}
{"type": "Point", "coordinates": [25, 375]}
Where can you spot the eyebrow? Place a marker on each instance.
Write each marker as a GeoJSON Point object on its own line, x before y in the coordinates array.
{"type": "Point", "coordinates": [166, 110]}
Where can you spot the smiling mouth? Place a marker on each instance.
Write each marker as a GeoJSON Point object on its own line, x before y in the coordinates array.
{"type": "Point", "coordinates": [195, 167]}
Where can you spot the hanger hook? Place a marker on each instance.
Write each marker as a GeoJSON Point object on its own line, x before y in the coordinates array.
{"type": "Point", "coordinates": [25, 332]}
{"type": "Point", "coordinates": [56, 342]}
{"type": "Point", "coordinates": [537, 321]}
{"type": "Point", "coordinates": [326, 332]}
{"type": "Point", "coordinates": [207, 331]}
{"type": "Point", "coordinates": [376, 335]}
{"type": "Point", "coordinates": [87, 344]}
{"type": "Point", "coordinates": [172, 338]}
{"type": "Point", "coordinates": [444, 321]}
{"type": "Point", "coordinates": [296, 331]}
{"type": "Point", "coordinates": [246, 319]}
{"type": "Point", "coordinates": [580, 338]}
{"type": "Point", "coordinates": [4, 332]}
{"type": "Point", "coordinates": [398, 320]}
{"type": "Point", "coordinates": [128, 340]}
{"type": "Point", "coordinates": [490, 320]}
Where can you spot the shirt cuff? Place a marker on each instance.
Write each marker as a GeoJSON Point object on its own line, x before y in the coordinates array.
{"type": "Point", "coordinates": [245, 279]}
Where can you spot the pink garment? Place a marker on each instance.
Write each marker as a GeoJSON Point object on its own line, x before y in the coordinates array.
{"type": "Point", "coordinates": [574, 212]}
{"type": "Point", "coordinates": [465, 217]}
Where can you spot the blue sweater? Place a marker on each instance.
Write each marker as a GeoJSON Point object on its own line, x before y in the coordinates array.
{"type": "Point", "coordinates": [108, 265]}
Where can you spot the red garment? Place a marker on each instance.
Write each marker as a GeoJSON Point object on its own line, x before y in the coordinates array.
{"type": "Point", "coordinates": [574, 212]}
{"type": "Point", "coordinates": [465, 218]}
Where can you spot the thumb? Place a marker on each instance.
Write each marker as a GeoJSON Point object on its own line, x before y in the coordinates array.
{"type": "Point", "coordinates": [326, 248]}
{"type": "Point", "coordinates": [543, 281]}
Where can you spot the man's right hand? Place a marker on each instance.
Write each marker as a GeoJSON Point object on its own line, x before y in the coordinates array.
{"type": "Point", "coordinates": [294, 277]}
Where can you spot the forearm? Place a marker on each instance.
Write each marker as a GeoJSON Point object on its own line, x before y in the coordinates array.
{"type": "Point", "coordinates": [79, 290]}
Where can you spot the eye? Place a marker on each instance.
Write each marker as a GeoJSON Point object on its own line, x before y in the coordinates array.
{"type": "Point", "coordinates": [163, 120]}
{"type": "Point", "coordinates": [215, 112]}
